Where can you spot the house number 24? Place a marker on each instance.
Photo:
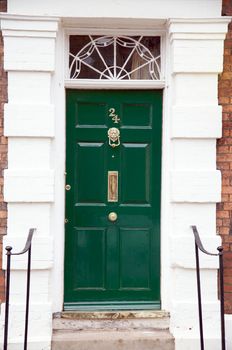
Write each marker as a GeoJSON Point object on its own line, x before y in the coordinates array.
{"type": "Point", "coordinates": [114, 116]}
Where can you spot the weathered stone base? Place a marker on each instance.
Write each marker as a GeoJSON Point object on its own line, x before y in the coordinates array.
{"type": "Point", "coordinates": [189, 341]}
{"type": "Point", "coordinates": [104, 331]}
{"type": "Point", "coordinates": [105, 340]}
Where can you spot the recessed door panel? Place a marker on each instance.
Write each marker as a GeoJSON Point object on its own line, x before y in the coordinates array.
{"type": "Point", "coordinates": [89, 259]}
{"type": "Point", "coordinates": [90, 113]}
{"type": "Point", "coordinates": [136, 179]}
{"type": "Point", "coordinates": [137, 115]}
{"type": "Point", "coordinates": [92, 172]}
{"type": "Point", "coordinates": [135, 258]}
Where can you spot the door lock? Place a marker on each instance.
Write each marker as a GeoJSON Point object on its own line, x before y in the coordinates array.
{"type": "Point", "coordinates": [68, 187]}
{"type": "Point", "coordinates": [112, 216]}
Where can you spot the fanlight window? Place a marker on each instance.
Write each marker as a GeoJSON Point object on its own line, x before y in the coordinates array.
{"type": "Point", "coordinates": [114, 57]}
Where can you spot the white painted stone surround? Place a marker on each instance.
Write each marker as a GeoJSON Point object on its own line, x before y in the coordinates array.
{"type": "Point", "coordinates": [196, 59]}
{"type": "Point", "coordinates": [34, 180]}
{"type": "Point", "coordinates": [29, 180]}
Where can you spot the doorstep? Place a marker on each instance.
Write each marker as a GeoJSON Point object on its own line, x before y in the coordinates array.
{"type": "Point", "coordinates": [124, 330]}
{"type": "Point", "coordinates": [111, 315]}
{"type": "Point", "coordinates": [118, 320]}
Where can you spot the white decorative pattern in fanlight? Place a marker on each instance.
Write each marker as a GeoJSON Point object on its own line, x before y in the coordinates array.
{"type": "Point", "coordinates": [114, 57]}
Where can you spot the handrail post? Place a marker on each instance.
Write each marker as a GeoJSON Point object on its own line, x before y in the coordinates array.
{"type": "Point", "coordinates": [199, 297]}
{"type": "Point", "coordinates": [26, 249]}
{"type": "Point", "coordinates": [7, 301]}
{"type": "Point", "coordinates": [27, 298]}
{"type": "Point", "coordinates": [221, 283]}
{"type": "Point", "coordinates": [199, 246]}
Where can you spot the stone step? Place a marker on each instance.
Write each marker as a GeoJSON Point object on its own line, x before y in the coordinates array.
{"type": "Point", "coordinates": [112, 340]}
{"type": "Point", "coordinates": [143, 320]}
{"type": "Point", "coordinates": [121, 330]}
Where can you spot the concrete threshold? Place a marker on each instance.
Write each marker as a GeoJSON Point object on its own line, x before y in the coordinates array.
{"type": "Point", "coordinates": [112, 315]}
{"type": "Point", "coordinates": [120, 320]}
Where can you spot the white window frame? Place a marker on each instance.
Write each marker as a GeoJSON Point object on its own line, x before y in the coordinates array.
{"type": "Point", "coordinates": [111, 84]}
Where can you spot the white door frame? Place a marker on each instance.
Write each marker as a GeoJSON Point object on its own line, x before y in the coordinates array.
{"type": "Point", "coordinates": [59, 147]}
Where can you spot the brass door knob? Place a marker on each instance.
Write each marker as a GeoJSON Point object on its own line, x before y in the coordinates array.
{"type": "Point", "coordinates": [112, 216]}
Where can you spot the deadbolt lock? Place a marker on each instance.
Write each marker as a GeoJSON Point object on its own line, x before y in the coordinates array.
{"type": "Point", "coordinates": [112, 216]}
{"type": "Point", "coordinates": [68, 187]}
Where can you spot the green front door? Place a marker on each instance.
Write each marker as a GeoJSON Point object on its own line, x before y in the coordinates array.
{"type": "Point", "coordinates": [112, 242]}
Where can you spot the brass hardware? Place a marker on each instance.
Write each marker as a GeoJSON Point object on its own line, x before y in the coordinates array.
{"type": "Point", "coordinates": [112, 186]}
{"type": "Point", "coordinates": [114, 116]}
{"type": "Point", "coordinates": [114, 137]}
{"type": "Point", "coordinates": [66, 221]}
{"type": "Point", "coordinates": [68, 187]}
{"type": "Point", "coordinates": [112, 216]}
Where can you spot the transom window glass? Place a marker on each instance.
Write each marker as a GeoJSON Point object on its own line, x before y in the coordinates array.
{"type": "Point", "coordinates": [114, 57]}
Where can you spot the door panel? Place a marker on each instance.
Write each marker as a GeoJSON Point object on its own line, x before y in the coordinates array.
{"type": "Point", "coordinates": [137, 115]}
{"type": "Point", "coordinates": [135, 154]}
{"type": "Point", "coordinates": [90, 258]}
{"type": "Point", "coordinates": [92, 160]}
{"type": "Point", "coordinates": [113, 264]}
{"type": "Point", "coordinates": [135, 258]}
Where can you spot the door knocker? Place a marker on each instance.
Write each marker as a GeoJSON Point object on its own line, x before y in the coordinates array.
{"type": "Point", "coordinates": [114, 137]}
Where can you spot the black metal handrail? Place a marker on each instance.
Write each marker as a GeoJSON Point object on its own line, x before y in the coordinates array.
{"type": "Point", "coordinates": [27, 248]}
{"type": "Point", "coordinates": [199, 246]}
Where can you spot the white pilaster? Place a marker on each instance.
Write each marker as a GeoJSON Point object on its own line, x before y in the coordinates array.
{"type": "Point", "coordinates": [196, 48]}
{"type": "Point", "coordinates": [29, 59]}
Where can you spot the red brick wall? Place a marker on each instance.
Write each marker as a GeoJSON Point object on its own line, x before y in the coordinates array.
{"type": "Point", "coordinates": [226, 8]}
{"type": "Point", "coordinates": [224, 158]}
{"type": "Point", "coordinates": [3, 153]}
